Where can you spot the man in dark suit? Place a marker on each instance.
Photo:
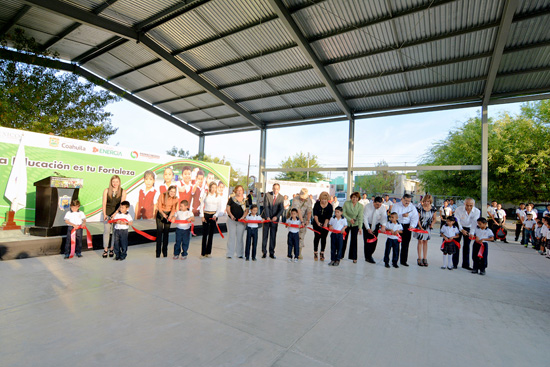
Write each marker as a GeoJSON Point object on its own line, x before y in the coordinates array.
{"type": "Point", "coordinates": [273, 208]}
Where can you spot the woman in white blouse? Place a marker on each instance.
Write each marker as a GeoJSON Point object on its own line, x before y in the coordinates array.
{"type": "Point", "coordinates": [210, 209]}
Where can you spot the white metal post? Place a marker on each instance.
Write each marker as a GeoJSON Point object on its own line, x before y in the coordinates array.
{"type": "Point", "coordinates": [201, 145]}
{"type": "Point", "coordinates": [484, 159]}
{"type": "Point", "coordinates": [263, 152]}
{"type": "Point", "coordinates": [350, 156]}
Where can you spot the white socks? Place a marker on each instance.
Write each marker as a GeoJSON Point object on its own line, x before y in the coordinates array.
{"type": "Point", "coordinates": [447, 261]}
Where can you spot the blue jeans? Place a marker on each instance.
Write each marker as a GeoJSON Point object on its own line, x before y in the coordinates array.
{"type": "Point", "coordinates": [529, 236]}
{"type": "Point", "coordinates": [251, 238]}
{"type": "Point", "coordinates": [121, 243]}
{"type": "Point", "coordinates": [183, 236]}
{"type": "Point", "coordinates": [293, 244]}
{"type": "Point", "coordinates": [336, 243]}
{"type": "Point", "coordinates": [391, 244]}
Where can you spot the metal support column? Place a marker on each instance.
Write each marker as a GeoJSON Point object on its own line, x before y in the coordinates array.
{"type": "Point", "coordinates": [201, 145]}
{"type": "Point", "coordinates": [350, 157]}
{"type": "Point", "coordinates": [263, 149]}
{"type": "Point", "coordinates": [484, 160]}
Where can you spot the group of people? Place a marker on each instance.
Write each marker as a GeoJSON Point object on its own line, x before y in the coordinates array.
{"type": "Point", "coordinates": [399, 221]}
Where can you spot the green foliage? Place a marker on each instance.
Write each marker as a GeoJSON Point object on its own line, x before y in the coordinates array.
{"type": "Point", "coordinates": [43, 100]}
{"type": "Point", "coordinates": [235, 174]}
{"type": "Point", "coordinates": [518, 157]}
{"type": "Point", "coordinates": [175, 152]}
{"type": "Point", "coordinates": [300, 160]}
{"type": "Point", "coordinates": [378, 182]}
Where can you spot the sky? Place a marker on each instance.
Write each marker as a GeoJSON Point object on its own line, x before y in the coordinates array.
{"type": "Point", "coordinates": [399, 140]}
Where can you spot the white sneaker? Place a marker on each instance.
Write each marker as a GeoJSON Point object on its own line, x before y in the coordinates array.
{"type": "Point", "coordinates": [296, 260]}
{"type": "Point", "coordinates": [289, 259]}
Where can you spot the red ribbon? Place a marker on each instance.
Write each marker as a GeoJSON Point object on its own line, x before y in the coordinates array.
{"type": "Point", "coordinates": [336, 231]}
{"type": "Point", "coordinates": [219, 230]}
{"type": "Point", "coordinates": [451, 241]}
{"type": "Point", "coordinates": [311, 229]}
{"type": "Point", "coordinates": [73, 239]}
{"type": "Point", "coordinates": [416, 230]}
{"type": "Point", "coordinates": [182, 221]}
{"type": "Point", "coordinates": [481, 247]}
{"type": "Point", "coordinates": [148, 236]}
{"type": "Point", "coordinates": [387, 233]}
{"type": "Point", "coordinates": [254, 221]}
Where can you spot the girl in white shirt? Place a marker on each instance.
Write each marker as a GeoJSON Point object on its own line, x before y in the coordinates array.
{"type": "Point", "coordinates": [210, 208]}
{"type": "Point", "coordinates": [450, 233]}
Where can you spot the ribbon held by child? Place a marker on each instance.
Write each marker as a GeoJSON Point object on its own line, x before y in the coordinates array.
{"type": "Point", "coordinates": [451, 240]}
{"type": "Point", "coordinates": [182, 221]}
{"type": "Point", "coordinates": [416, 230]}
{"type": "Point", "coordinates": [73, 239]}
{"type": "Point", "coordinates": [387, 233]}
{"type": "Point", "coordinates": [481, 247]}
{"type": "Point", "coordinates": [125, 221]}
{"type": "Point", "coordinates": [336, 231]}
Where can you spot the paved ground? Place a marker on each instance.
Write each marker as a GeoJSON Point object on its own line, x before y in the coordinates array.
{"type": "Point", "coordinates": [218, 312]}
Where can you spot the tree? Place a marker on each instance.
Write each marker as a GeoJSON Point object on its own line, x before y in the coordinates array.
{"type": "Point", "coordinates": [175, 152]}
{"type": "Point", "coordinates": [300, 160]}
{"type": "Point", "coordinates": [518, 158]}
{"type": "Point", "coordinates": [44, 100]}
{"type": "Point", "coordinates": [235, 174]}
{"type": "Point", "coordinates": [378, 182]}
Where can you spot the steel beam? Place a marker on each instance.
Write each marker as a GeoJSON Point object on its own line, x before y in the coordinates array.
{"type": "Point", "coordinates": [351, 155]}
{"type": "Point", "coordinates": [502, 36]}
{"type": "Point", "coordinates": [305, 47]}
{"type": "Point", "coordinates": [135, 68]}
{"type": "Point", "coordinates": [159, 84]}
{"type": "Point", "coordinates": [85, 17]}
{"type": "Point", "coordinates": [73, 68]}
{"type": "Point", "coordinates": [99, 50]}
{"type": "Point", "coordinates": [168, 14]}
{"type": "Point", "coordinates": [263, 154]}
{"type": "Point", "coordinates": [201, 144]}
{"type": "Point", "coordinates": [198, 108]}
{"type": "Point", "coordinates": [378, 168]}
{"type": "Point", "coordinates": [10, 23]}
{"type": "Point", "coordinates": [484, 159]}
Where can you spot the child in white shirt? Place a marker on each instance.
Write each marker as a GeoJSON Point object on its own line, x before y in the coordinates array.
{"type": "Point", "coordinates": [450, 233]}
{"type": "Point", "coordinates": [252, 233]}
{"type": "Point", "coordinates": [183, 230]}
{"type": "Point", "coordinates": [481, 234]}
{"type": "Point", "coordinates": [123, 221]}
{"type": "Point", "coordinates": [528, 226]}
{"type": "Point", "coordinates": [337, 223]}
{"type": "Point", "coordinates": [392, 242]}
{"type": "Point", "coordinates": [293, 235]}
{"type": "Point", "coordinates": [74, 219]}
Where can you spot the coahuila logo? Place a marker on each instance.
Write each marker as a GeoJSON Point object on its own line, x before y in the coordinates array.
{"type": "Point", "coordinates": [107, 151]}
{"type": "Point", "coordinates": [73, 147]}
{"type": "Point", "coordinates": [54, 142]}
{"type": "Point", "coordinates": [134, 154]}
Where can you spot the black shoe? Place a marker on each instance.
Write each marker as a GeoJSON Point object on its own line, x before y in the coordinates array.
{"type": "Point", "coordinates": [117, 258]}
{"type": "Point", "coordinates": [264, 256]}
{"type": "Point", "coordinates": [272, 256]}
{"type": "Point", "coordinates": [371, 260]}
{"type": "Point", "coordinates": [336, 263]}
{"type": "Point", "coordinates": [331, 263]}
{"type": "Point", "coordinates": [397, 266]}
{"type": "Point", "coordinates": [482, 273]}
{"type": "Point", "coordinates": [474, 271]}
{"type": "Point", "coordinates": [78, 255]}
{"type": "Point", "coordinates": [253, 259]}
{"type": "Point", "coordinates": [245, 259]}
{"type": "Point", "coordinates": [467, 268]}
{"type": "Point", "coordinates": [387, 265]}
{"type": "Point", "coordinates": [240, 257]}
{"type": "Point", "coordinates": [66, 257]}
{"type": "Point", "coordinates": [505, 241]}
{"type": "Point", "coordinates": [404, 264]}
{"type": "Point", "coordinates": [122, 258]}
{"type": "Point", "coordinates": [111, 253]}
{"type": "Point", "coordinates": [455, 267]}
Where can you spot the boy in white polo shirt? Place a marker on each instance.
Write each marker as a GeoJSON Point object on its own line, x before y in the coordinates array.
{"type": "Point", "coordinates": [123, 221]}
{"type": "Point", "coordinates": [481, 235]}
{"type": "Point", "coordinates": [252, 232]}
{"type": "Point", "coordinates": [74, 219]}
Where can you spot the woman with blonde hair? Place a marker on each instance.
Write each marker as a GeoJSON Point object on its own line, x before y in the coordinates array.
{"type": "Point", "coordinates": [112, 197]}
{"type": "Point", "coordinates": [426, 220]}
{"type": "Point", "coordinates": [236, 209]}
{"type": "Point", "coordinates": [322, 212]}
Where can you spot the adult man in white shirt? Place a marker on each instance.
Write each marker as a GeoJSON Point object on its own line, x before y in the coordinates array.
{"type": "Point", "coordinates": [374, 220]}
{"type": "Point", "coordinates": [408, 218]}
{"type": "Point", "coordinates": [466, 218]}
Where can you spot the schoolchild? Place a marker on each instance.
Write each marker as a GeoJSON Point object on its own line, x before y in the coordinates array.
{"type": "Point", "coordinates": [337, 223]}
{"type": "Point", "coordinates": [482, 235]}
{"type": "Point", "coordinates": [293, 239]}
{"type": "Point", "coordinates": [252, 233]}
{"type": "Point", "coordinates": [450, 234]}
{"type": "Point", "coordinates": [183, 230]}
{"type": "Point", "coordinates": [529, 225]}
{"type": "Point", "coordinates": [74, 219]}
{"type": "Point", "coordinates": [392, 242]}
{"type": "Point", "coordinates": [123, 220]}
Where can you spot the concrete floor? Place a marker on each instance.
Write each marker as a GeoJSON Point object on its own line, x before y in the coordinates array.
{"type": "Point", "coordinates": [219, 312]}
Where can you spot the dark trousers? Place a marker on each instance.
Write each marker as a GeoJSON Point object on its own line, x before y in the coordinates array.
{"type": "Point", "coordinates": [518, 231]}
{"type": "Point", "coordinates": [251, 239]}
{"type": "Point", "coordinates": [207, 234]}
{"type": "Point", "coordinates": [121, 243]}
{"type": "Point", "coordinates": [293, 244]}
{"type": "Point", "coordinates": [391, 244]}
{"type": "Point", "coordinates": [163, 229]}
{"type": "Point", "coordinates": [183, 236]}
{"type": "Point", "coordinates": [405, 240]}
{"type": "Point", "coordinates": [350, 232]}
{"type": "Point", "coordinates": [369, 248]}
{"type": "Point", "coordinates": [336, 245]}
{"type": "Point", "coordinates": [78, 241]}
{"type": "Point", "coordinates": [479, 264]}
{"type": "Point", "coordinates": [269, 230]}
{"type": "Point", "coordinates": [465, 250]}
{"type": "Point", "coordinates": [319, 237]}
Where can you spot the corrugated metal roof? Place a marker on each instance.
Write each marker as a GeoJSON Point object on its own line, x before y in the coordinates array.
{"type": "Point", "coordinates": [372, 51]}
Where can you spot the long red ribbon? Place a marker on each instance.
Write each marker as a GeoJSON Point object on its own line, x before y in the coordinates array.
{"type": "Point", "coordinates": [148, 236]}
{"type": "Point", "coordinates": [481, 247]}
{"type": "Point", "coordinates": [336, 231]}
{"type": "Point", "coordinates": [450, 241]}
{"type": "Point", "coordinates": [73, 239]}
{"type": "Point", "coordinates": [254, 221]}
{"type": "Point", "coordinates": [418, 230]}
{"type": "Point", "coordinates": [219, 230]}
{"type": "Point", "coordinates": [182, 221]}
{"type": "Point", "coordinates": [387, 233]}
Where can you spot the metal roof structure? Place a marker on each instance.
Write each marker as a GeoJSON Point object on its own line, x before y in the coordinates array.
{"type": "Point", "coordinates": [217, 66]}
